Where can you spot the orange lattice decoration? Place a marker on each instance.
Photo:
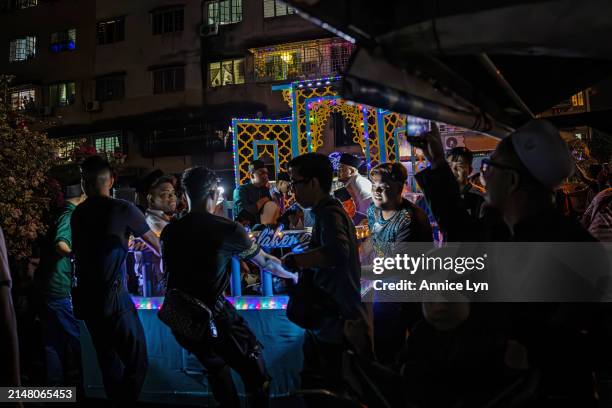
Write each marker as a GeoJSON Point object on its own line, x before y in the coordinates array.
{"type": "Point", "coordinates": [312, 103]}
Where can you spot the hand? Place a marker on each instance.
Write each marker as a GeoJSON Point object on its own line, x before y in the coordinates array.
{"type": "Point", "coordinates": [137, 245]}
{"type": "Point", "coordinates": [431, 144]}
{"type": "Point", "coordinates": [274, 266]}
{"type": "Point", "coordinates": [261, 202]}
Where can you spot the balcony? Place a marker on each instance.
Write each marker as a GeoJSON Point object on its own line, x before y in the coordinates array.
{"type": "Point", "coordinates": [301, 60]}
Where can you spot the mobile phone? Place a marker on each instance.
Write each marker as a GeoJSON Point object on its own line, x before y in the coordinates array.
{"type": "Point", "coordinates": [417, 128]}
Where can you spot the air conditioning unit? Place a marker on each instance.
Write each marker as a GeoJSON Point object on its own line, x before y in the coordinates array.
{"type": "Point", "coordinates": [453, 141]}
{"type": "Point", "coordinates": [208, 30]}
{"type": "Point", "coordinates": [93, 106]}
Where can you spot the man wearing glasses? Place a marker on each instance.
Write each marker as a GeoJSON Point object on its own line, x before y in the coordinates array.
{"type": "Point", "coordinates": [521, 177]}
{"type": "Point", "coordinates": [332, 263]}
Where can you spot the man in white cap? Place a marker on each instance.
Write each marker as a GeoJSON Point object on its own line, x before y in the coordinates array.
{"type": "Point", "coordinates": [358, 186]}
{"type": "Point", "coordinates": [521, 177]}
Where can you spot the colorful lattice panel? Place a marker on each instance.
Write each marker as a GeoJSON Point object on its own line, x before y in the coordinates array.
{"type": "Point", "coordinates": [247, 134]}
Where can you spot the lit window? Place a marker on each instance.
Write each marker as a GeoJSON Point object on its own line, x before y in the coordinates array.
{"type": "Point", "coordinates": [578, 99]}
{"type": "Point", "coordinates": [169, 79]}
{"type": "Point", "coordinates": [63, 40]}
{"type": "Point", "coordinates": [309, 59]}
{"type": "Point", "coordinates": [62, 94]}
{"type": "Point", "coordinates": [23, 100]}
{"type": "Point", "coordinates": [107, 143]}
{"type": "Point", "coordinates": [110, 88]}
{"type": "Point", "coordinates": [66, 147]}
{"type": "Point", "coordinates": [21, 4]}
{"type": "Point", "coordinates": [168, 20]}
{"type": "Point", "coordinates": [276, 8]}
{"type": "Point", "coordinates": [22, 49]}
{"type": "Point", "coordinates": [228, 72]}
{"type": "Point", "coordinates": [223, 12]}
{"type": "Point", "coordinates": [111, 31]}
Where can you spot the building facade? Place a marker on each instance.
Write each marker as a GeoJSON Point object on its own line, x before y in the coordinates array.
{"type": "Point", "coordinates": [156, 81]}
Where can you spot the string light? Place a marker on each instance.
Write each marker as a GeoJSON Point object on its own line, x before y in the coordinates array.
{"type": "Point", "coordinates": [240, 303]}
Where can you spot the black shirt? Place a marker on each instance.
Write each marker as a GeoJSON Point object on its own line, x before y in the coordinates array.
{"type": "Point", "coordinates": [197, 249]}
{"type": "Point", "coordinates": [335, 234]}
{"type": "Point", "coordinates": [101, 227]}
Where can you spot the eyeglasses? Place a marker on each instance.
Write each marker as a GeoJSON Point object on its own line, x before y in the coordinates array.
{"type": "Point", "coordinates": [381, 187]}
{"type": "Point", "coordinates": [293, 183]}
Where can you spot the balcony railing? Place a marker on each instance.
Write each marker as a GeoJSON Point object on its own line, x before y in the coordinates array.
{"type": "Point", "coordinates": [301, 60]}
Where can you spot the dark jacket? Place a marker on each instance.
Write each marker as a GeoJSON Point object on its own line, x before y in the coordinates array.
{"type": "Point", "coordinates": [562, 340]}
{"type": "Point", "coordinates": [334, 233]}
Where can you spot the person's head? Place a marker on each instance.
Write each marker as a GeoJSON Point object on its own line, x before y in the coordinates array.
{"type": "Point", "coordinates": [460, 161]}
{"type": "Point", "coordinates": [311, 178]}
{"type": "Point", "coordinates": [162, 195]}
{"type": "Point", "coordinates": [388, 180]}
{"type": "Point", "coordinates": [446, 316]}
{"type": "Point", "coordinates": [74, 194]}
{"type": "Point", "coordinates": [200, 184]}
{"type": "Point", "coordinates": [282, 183]}
{"type": "Point", "coordinates": [96, 176]}
{"type": "Point", "coordinates": [481, 175]}
{"type": "Point", "coordinates": [258, 173]}
{"type": "Point", "coordinates": [348, 167]}
{"type": "Point", "coordinates": [526, 167]}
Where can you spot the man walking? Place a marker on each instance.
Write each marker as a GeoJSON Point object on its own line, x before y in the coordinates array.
{"type": "Point", "coordinates": [101, 226]}
{"type": "Point", "coordinates": [197, 250]}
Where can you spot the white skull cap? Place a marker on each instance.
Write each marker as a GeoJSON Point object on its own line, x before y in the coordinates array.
{"type": "Point", "coordinates": [540, 147]}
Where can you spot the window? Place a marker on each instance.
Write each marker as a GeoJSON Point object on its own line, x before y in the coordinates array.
{"type": "Point", "coordinates": [63, 40]}
{"type": "Point", "coordinates": [109, 143]}
{"type": "Point", "coordinates": [62, 94]}
{"type": "Point", "coordinates": [110, 88]}
{"type": "Point", "coordinates": [308, 59]}
{"type": "Point", "coordinates": [22, 49]}
{"type": "Point", "coordinates": [168, 20]}
{"type": "Point", "coordinates": [228, 72]}
{"type": "Point", "coordinates": [21, 4]}
{"type": "Point", "coordinates": [276, 8]}
{"type": "Point", "coordinates": [23, 100]}
{"type": "Point", "coordinates": [66, 147]}
{"type": "Point", "coordinates": [170, 79]}
{"type": "Point", "coordinates": [578, 99]}
{"type": "Point", "coordinates": [111, 31]}
{"type": "Point", "coordinates": [223, 12]}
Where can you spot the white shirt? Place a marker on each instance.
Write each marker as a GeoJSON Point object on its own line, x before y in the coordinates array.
{"type": "Point", "coordinates": [157, 220]}
{"type": "Point", "coordinates": [360, 189]}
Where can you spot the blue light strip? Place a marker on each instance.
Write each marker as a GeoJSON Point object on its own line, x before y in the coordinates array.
{"type": "Point", "coordinates": [239, 302]}
{"type": "Point", "coordinates": [264, 121]}
{"type": "Point", "coordinates": [274, 143]}
{"type": "Point", "coordinates": [382, 146]}
{"type": "Point", "coordinates": [235, 151]}
{"type": "Point", "coordinates": [295, 148]}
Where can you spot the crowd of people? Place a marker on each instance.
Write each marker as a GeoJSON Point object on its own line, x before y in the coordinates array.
{"type": "Point", "coordinates": [454, 354]}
